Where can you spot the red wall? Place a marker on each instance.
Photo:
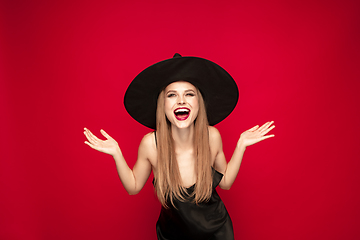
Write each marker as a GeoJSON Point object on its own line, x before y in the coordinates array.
{"type": "Point", "coordinates": [65, 65]}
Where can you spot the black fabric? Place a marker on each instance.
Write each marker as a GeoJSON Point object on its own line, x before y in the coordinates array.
{"type": "Point", "coordinates": [188, 221]}
{"type": "Point", "coordinates": [217, 87]}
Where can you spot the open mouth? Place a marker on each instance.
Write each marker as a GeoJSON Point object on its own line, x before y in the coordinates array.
{"type": "Point", "coordinates": [182, 114]}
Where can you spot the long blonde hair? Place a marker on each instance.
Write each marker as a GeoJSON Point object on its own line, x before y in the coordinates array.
{"type": "Point", "coordinates": [168, 183]}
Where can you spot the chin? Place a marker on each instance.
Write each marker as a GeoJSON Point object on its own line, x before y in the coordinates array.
{"type": "Point", "coordinates": [181, 124]}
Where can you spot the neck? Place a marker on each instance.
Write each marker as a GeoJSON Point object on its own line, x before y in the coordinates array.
{"type": "Point", "coordinates": [183, 137]}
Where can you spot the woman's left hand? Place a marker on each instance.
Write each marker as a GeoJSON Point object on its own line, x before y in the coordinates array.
{"type": "Point", "coordinates": [256, 134]}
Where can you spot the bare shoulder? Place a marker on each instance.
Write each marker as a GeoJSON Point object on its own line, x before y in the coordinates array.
{"type": "Point", "coordinates": [147, 148]}
{"type": "Point", "coordinates": [148, 140]}
{"type": "Point", "coordinates": [215, 143]}
{"type": "Point", "coordinates": [214, 135]}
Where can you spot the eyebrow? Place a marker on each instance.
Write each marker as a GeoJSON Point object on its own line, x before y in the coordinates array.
{"type": "Point", "coordinates": [188, 90]}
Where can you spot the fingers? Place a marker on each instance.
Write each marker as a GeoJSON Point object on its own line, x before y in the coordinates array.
{"type": "Point", "coordinates": [266, 137]}
{"type": "Point", "coordinates": [105, 134]}
{"type": "Point", "coordinates": [265, 126]}
{"type": "Point", "coordinates": [268, 130]}
{"type": "Point", "coordinates": [91, 137]}
{"type": "Point", "coordinates": [89, 144]}
{"type": "Point", "coordinates": [254, 128]}
{"type": "Point", "coordinates": [92, 146]}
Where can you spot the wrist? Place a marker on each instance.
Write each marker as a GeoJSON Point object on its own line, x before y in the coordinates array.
{"type": "Point", "coordinates": [116, 154]}
{"type": "Point", "coordinates": [240, 145]}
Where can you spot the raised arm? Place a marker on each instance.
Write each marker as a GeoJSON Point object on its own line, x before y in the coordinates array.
{"type": "Point", "coordinates": [132, 180]}
{"type": "Point", "coordinates": [247, 138]}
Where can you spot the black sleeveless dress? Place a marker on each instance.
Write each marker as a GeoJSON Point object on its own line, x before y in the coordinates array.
{"type": "Point", "coordinates": [208, 220]}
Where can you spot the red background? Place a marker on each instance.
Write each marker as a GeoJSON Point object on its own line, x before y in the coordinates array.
{"type": "Point", "coordinates": [65, 65]}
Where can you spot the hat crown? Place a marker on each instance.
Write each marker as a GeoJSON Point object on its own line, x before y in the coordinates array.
{"type": "Point", "coordinates": [177, 55]}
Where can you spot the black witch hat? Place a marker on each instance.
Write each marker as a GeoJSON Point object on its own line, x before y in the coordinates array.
{"type": "Point", "coordinates": [217, 87]}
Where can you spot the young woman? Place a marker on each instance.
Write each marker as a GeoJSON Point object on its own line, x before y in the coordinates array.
{"type": "Point", "coordinates": [181, 98]}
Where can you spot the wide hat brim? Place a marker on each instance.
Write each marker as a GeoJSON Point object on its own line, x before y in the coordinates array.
{"type": "Point", "coordinates": [217, 87]}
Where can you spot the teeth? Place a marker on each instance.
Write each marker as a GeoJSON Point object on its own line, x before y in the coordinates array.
{"type": "Point", "coordinates": [181, 110]}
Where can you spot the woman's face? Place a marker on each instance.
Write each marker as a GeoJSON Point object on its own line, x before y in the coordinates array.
{"type": "Point", "coordinates": [181, 104]}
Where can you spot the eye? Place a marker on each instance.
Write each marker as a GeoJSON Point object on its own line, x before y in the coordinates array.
{"type": "Point", "coordinates": [190, 94]}
{"type": "Point", "coordinates": [171, 95]}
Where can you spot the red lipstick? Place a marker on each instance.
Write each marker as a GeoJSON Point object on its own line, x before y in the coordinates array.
{"type": "Point", "coordinates": [182, 113]}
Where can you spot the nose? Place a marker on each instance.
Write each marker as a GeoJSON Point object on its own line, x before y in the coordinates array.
{"type": "Point", "coordinates": [181, 100]}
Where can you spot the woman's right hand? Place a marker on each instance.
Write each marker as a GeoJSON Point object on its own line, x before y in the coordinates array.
{"type": "Point", "coordinates": [109, 146]}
